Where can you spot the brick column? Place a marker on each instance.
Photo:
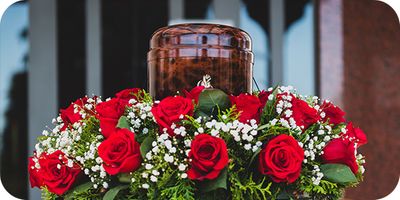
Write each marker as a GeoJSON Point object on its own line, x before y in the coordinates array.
{"type": "Point", "coordinates": [359, 68]}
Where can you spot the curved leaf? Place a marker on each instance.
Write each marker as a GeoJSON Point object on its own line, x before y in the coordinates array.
{"type": "Point", "coordinates": [254, 157]}
{"type": "Point", "coordinates": [338, 173]}
{"type": "Point", "coordinates": [124, 178]}
{"type": "Point", "coordinates": [219, 183]}
{"type": "Point", "coordinates": [78, 189]}
{"type": "Point", "coordinates": [210, 100]}
{"type": "Point", "coordinates": [123, 122]}
{"type": "Point", "coordinates": [113, 192]}
{"type": "Point", "coordinates": [146, 145]}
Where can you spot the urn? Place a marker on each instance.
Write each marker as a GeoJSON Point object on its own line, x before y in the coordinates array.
{"type": "Point", "coordinates": [180, 55]}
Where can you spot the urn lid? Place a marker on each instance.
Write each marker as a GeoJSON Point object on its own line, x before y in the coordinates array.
{"type": "Point", "coordinates": [183, 39]}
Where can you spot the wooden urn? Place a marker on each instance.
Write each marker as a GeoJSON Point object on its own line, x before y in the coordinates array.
{"type": "Point", "coordinates": [180, 55]}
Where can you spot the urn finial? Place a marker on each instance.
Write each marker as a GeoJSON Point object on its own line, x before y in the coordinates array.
{"type": "Point", "coordinates": [206, 81]}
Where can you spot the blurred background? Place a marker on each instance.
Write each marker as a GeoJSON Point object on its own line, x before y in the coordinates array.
{"type": "Point", "coordinates": [55, 51]}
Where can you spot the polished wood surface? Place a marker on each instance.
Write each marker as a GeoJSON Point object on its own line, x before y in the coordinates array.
{"type": "Point", "coordinates": [181, 55]}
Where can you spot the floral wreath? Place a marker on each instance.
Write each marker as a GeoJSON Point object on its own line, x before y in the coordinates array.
{"type": "Point", "coordinates": [199, 144]}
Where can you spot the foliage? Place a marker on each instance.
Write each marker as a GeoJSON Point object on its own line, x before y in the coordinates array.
{"type": "Point", "coordinates": [143, 96]}
{"type": "Point", "coordinates": [325, 188]}
{"type": "Point", "coordinates": [47, 195]}
{"type": "Point", "coordinates": [249, 189]}
{"type": "Point", "coordinates": [268, 112]}
{"type": "Point", "coordinates": [123, 122]}
{"type": "Point", "coordinates": [211, 101]}
{"type": "Point", "coordinates": [182, 190]}
{"type": "Point", "coordinates": [210, 185]}
{"type": "Point", "coordinates": [338, 173]}
{"type": "Point", "coordinates": [84, 191]}
{"type": "Point", "coordinates": [163, 173]}
{"type": "Point", "coordinates": [113, 192]}
{"type": "Point", "coordinates": [88, 135]}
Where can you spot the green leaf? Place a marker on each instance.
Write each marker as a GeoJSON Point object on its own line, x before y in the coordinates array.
{"type": "Point", "coordinates": [124, 178]}
{"type": "Point", "coordinates": [113, 192]}
{"type": "Point", "coordinates": [123, 122]}
{"type": "Point", "coordinates": [254, 157]}
{"type": "Point", "coordinates": [219, 183]}
{"type": "Point", "coordinates": [146, 145]}
{"type": "Point", "coordinates": [338, 173]}
{"type": "Point", "coordinates": [139, 137]}
{"type": "Point", "coordinates": [41, 138]}
{"type": "Point", "coordinates": [200, 113]}
{"type": "Point", "coordinates": [210, 100]}
{"type": "Point", "coordinates": [78, 189]}
{"type": "Point", "coordinates": [284, 195]}
{"type": "Point", "coordinates": [263, 127]}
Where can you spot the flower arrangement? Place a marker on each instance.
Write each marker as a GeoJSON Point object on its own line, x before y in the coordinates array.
{"type": "Point", "coordinates": [199, 144]}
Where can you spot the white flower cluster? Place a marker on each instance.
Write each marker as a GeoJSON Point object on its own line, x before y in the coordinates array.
{"type": "Point", "coordinates": [47, 145]}
{"type": "Point", "coordinates": [317, 175]}
{"type": "Point", "coordinates": [88, 108]}
{"type": "Point", "coordinates": [347, 137]}
{"type": "Point", "coordinates": [93, 164]}
{"type": "Point", "coordinates": [284, 89]}
{"type": "Point", "coordinates": [361, 161]}
{"type": "Point", "coordinates": [284, 109]}
{"type": "Point", "coordinates": [64, 141]}
{"type": "Point", "coordinates": [314, 145]}
{"type": "Point", "coordinates": [315, 142]}
{"type": "Point", "coordinates": [284, 104]}
{"type": "Point", "coordinates": [67, 139]}
{"type": "Point", "coordinates": [139, 113]}
{"type": "Point", "coordinates": [244, 134]}
{"type": "Point", "coordinates": [59, 140]}
{"type": "Point", "coordinates": [164, 152]}
{"type": "Point", "coordinates": [179, 130]}
{"type": "Point", "coordinates": [65, 160]}
{"type": "Point", "coordinates": [35, 159]}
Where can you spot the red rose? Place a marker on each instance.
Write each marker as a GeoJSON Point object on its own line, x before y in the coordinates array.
{"type": "Point", "coordinates": [209, 156]}
{"type": "Point", "coordinates": [333, 113]}
{"type": "Point", "coordinates": [355, 135]}
{"type": "Point", "coordinates": [249, 107]}
{"type": "Point", "coordinates": [120, 152]}
{"type": "Point", "coordinates": [34, 176]}
{"type": "Point", "coordinates": [281, 159]}
{"type": "Point", "coordinates": [303, 114]}
{"type": "Point", "coordinates": [54, 172]}
{"type": "Point", "coordinates": [127, 94]}
{"type": "Point", "coordinates": [341, 151]}
{"type": "Point", "coordinates": [263, 96]}
{"type": "Point", "coordinates": [171, 110]}
{"type": "Point", "coordinates": [68, 115]}
{"type": "Point", "coordinates": [194, 93]}
{"type": "Point", "coordinates": [108, 113]}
